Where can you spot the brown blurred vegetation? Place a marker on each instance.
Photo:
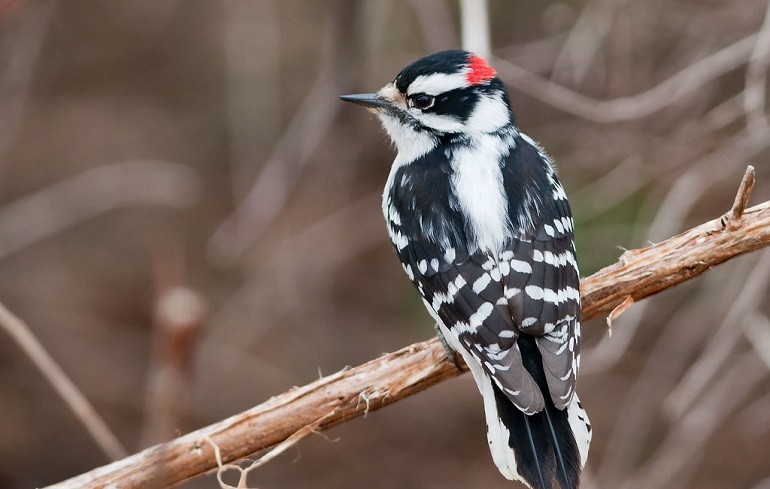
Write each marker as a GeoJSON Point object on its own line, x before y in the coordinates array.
{"type": "Point", "coordinates": [145, 145]}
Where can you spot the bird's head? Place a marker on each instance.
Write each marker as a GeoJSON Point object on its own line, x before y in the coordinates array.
{"type": "Point", "coordinates": [445, 93]}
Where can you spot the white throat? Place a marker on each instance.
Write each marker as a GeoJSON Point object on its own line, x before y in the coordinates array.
{"type": "Point", "coordinates": [410, 144]}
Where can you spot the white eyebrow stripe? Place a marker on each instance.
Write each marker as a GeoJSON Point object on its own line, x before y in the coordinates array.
{"type": "Point", "coordinates": [438, 83]}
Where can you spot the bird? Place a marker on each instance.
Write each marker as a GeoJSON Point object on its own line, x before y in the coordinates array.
{"type": "Point", "coordinates": [484, 231]}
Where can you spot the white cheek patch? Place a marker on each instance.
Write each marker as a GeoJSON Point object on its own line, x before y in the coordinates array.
{"type": "Point", "coordinates": [438, 83]}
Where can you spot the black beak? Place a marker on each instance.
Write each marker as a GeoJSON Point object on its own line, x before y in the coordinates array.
{"type": "Point", "coordinates": [369, 100]}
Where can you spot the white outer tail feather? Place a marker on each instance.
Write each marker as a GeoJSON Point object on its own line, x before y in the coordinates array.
{"type": "Point", "coordinates": [497, 433]}
{"type": "Point", "coordinates": [578, 421]}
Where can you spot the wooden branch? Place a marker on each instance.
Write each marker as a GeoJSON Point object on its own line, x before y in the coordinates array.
{"type": "Point", "coordinates": [355, 392]}
{"type": "Point", "coordinates": [644, 272]}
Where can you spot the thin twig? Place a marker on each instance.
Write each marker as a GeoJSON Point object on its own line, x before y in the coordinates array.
{"type": "Point", "coordinates": [75, 400]}
{"type": "Point", "coordinates": [102, 189]}
{"type": "Point", "coordinates": [719, 349]}
{"type": "Point", "coordinates": [585, 40]}
{"type": "Point", "coordinates": [283, 168]}
{"type": "Point", "coordinates": [732, 220]}
{"type": "Point", "coordinates": [712, 168]}
{"type": "Point", "coordinates": [414, 368]}
{"type": "Point", "coordinates": [253, 85]}
{"type": "Point", "coordinates": [289, 442]}
{"type": "Point", "coordinates": [685, 443]}
{"type": "Point", "coordinates": [619, 309]}
{"type": "Point", "coordinates": [628, 441]}
{"type": "Point", "coordinates": [688, 80]}
{"type": "Point", "coordinates": [647, 271]}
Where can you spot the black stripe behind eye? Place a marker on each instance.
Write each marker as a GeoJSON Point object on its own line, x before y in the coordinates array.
{"type": "Point", "coordinates": [458, 103]}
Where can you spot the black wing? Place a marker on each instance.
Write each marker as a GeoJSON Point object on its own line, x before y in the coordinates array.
{"type": "Point", "coordinates": [487, 299]}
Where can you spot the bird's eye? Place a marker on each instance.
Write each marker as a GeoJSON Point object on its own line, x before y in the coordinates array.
{"type": "Point", "coordinates": [423, 101]}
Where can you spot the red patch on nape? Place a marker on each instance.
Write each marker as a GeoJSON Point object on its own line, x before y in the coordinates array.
{"type": "Point", "coordinates": [480, 71]}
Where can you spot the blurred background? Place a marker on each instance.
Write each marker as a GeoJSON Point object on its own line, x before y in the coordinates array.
{"type": "Point", "coordinates": [185, 166]}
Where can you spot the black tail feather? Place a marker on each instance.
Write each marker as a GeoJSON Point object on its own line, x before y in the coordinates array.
{"type": "Point", "coordinates": [543, 443]}
{"type": "Point", "coordinates": [565, 448]}
{"type": "Point", "coordinates": [534, 453]}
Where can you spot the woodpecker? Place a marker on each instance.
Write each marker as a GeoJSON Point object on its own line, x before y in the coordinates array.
{"type": "Point", "coordinates": [484, 231]}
